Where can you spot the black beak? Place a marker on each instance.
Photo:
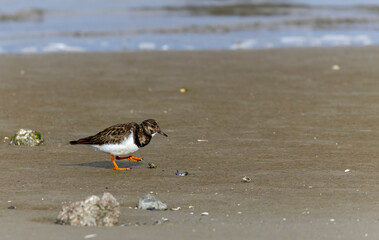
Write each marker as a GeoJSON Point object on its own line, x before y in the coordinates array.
{"type": "Point", "coordinates": [160, 132]}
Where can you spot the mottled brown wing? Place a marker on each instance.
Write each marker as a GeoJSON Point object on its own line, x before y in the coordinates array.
{"type": "Point", "coordinates": [114, 134]}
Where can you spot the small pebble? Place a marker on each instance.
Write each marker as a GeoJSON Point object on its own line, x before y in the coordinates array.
{"type": "Point", "coordinates": [204, 214]}
{"type": "Point", "coordinates": [332, 220]}
{"type": "Point", "coordinates": [336, 67]}
{"type": "Point", "coordinates": [246, 179]}
{"type": "Point", "coordinates": [90, 236]}
{"type": "Point", "coordinates": [152, 165]}
{"type": "Point", "coordinates": [182, 174]}
{"type": "Point", "coordinates": [160, 221]}
{"type": "Point", "coordinates": [175, 208]}
{"type": "Point", "coordinates": [347, 170]}
{"type": "Point", "coordinates": [150, 202]}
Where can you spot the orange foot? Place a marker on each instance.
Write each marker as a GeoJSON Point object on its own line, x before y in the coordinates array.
{"type": "Point", "coordinates": [132, 158]}
{"type": "Point", "coordinates": [115, 165]}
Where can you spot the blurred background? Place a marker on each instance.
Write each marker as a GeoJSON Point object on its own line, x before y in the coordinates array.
{"type": "Point", "coordinates": [133, 25]}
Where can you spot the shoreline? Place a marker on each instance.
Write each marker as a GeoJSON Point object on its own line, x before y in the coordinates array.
{"type": "Point", "coordinates": [199, 51]}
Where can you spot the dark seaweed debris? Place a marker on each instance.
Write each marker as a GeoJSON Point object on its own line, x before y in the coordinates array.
{"type": "Point", "coordinates": [32, 15]}
{"type": "Point", "coordinates": [263, 9]}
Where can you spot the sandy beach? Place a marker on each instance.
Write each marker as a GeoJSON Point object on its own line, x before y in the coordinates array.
{"type": "Point", "coordinates": [304, 131]}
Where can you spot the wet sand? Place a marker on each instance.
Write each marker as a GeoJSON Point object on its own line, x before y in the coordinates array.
{"type": "Point", "coordinates": [283, 117]}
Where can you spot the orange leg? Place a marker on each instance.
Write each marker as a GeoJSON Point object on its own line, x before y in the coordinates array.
{"type": "Point", "coordinates": [115, 165]}
{"type": "Point", "coordinates": [132, 158]}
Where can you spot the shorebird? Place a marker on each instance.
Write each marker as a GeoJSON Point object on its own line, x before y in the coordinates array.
{"type": "Point", "coordinates": [123, 139]}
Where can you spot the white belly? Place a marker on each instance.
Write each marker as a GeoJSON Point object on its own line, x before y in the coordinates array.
{"type": "Point", "coordinates": [124, 148]}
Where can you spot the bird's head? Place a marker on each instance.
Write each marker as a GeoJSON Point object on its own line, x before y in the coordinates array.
{"type": "Point", "coordinates": [151, 127]}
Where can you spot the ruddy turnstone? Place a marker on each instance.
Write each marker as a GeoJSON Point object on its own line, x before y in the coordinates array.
{"type": "Point", "coordinates": [123, 139]}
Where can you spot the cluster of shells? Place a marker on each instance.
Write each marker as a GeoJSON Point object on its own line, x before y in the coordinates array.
{"type": "Point", "coordinates": [26, 137]}
{"type": "Point", "coordinates": [93, 211]}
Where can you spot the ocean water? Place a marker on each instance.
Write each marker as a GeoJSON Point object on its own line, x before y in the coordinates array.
{"type": "Point", "coordinates": [41, 26]}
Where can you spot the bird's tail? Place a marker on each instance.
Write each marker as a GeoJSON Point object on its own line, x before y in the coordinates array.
{"type": "Point", "coordinates": [86, 140]}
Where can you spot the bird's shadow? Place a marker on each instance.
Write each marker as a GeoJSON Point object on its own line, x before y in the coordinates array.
{"type": "Point", "coordinates": [103, 164]}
